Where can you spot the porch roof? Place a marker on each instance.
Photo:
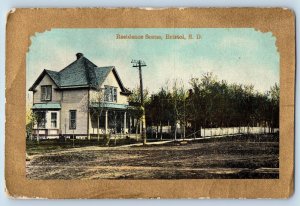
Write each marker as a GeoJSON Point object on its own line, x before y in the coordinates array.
{"type": "Point", "coordinates": [111, 105]}
{"type": "Point", "coordinates": [46, 106]}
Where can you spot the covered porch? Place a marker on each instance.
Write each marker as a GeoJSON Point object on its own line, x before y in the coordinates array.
{"type": "Point", "coordinates": [114, 119]}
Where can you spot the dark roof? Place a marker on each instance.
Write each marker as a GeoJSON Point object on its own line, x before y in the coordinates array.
{"type": "Point", "coordinates": [82, 73]}
{"type": "Point", "coordinates": [79, 73]}
{"type": "Point", "coordinates": [54, 76]}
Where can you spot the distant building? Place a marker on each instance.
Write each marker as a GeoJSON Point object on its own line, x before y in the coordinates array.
{"type": "Point", "coordinates": [81, 100]}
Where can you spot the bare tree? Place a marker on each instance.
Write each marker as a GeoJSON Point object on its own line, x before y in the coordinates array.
{"type": "Point", "coordinates": [97, 103]}
{"type": "Point", "coordinates": [38, 119]}
{"type": "Point", "coordinates": [29, 123]}
{"type": "Point", "coordinates": [135, 98]}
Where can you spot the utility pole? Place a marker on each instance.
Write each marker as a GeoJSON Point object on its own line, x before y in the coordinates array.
{"type": "Point", "coordinates": [184, 119]}
{"type": "Point", "coordinates": [139, 64]}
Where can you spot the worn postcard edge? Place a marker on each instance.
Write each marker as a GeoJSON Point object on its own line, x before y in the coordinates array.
{"type": "Point", "coordinates": [21, 25]}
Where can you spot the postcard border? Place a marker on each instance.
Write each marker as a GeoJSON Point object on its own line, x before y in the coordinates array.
{"type": "Point", "coordinates": [22, 24]}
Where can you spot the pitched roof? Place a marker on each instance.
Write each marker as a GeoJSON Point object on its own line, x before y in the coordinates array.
{"type": "Point", "coordinates": [46, 106]}
{"type": "Point", "coordinates": [54, 76]}
{"type": "Point", "coordinates": [79, 73]}
{"type": "Point", "coordinates": [82, 73]}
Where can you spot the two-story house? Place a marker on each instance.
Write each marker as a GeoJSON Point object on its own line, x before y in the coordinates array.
{"type": "Point", "coordinates": [81, 100]}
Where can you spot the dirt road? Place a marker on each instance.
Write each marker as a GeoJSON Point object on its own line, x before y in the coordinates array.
{"type": "Point", "coordinates": [227, 158]}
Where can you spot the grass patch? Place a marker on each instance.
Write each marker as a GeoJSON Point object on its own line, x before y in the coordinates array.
{"type": "Point", "coordinates": [54, 145]}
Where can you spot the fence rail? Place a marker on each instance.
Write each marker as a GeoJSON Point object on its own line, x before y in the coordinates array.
{"type": "Point", "coordinates": [225, 131]}
{"type": "Point", "coordinates": [234, 130]}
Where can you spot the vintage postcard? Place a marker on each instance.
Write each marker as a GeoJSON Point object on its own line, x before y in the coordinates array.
{"type": "Point", "coordinates": [136, 103]}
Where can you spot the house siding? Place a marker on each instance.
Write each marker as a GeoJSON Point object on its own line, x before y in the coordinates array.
{"type": "Point", "coordinates": [111, 81]}
{"type": "Point", "coordinates": [74, 100]}
{"type": "Point", "coordinates": [56, 95]}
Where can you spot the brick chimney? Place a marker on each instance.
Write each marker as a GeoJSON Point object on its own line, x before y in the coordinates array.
{"type": "Point", "coordinates": [78, 55]}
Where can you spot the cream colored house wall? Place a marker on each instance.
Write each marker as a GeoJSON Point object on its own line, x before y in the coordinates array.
{"type": "Point", "coordinates": [74, 100]}
{"type": "Point", "coordinates": [56, 95]}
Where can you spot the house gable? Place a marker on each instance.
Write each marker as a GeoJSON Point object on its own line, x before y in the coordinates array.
{"type": "Point", "coordinates": [124, 91]}
{"type": "Point", "coordinates": [46, 80]}
{"type": "Point", "coordinates": [110, 80]}
{"type": "Point", "coordinates": [103, 72]}
{"type": "Point", "coordinates": [51, 74]}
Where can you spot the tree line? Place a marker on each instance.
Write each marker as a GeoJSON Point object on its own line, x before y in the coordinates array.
{"type": "Point", "coordinates": [210, 103]}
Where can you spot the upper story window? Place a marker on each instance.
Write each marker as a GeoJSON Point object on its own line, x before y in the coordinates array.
{"type": "Point", "coordinates": [110, 94]}
{"type": "Point", "coordinates": [46, 93]}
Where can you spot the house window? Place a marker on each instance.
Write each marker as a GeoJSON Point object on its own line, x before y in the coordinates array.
{"type": "Point", "coordinates": [114, 94]}
{"type": "Point", "coordinates": [41, 119]}
{"type": "Point", "coordinates": [46, 93]}
{"type": "Point", "coordinates": [110, 94]}
{"type": "Point", "coordinates": [53, 119]}
{"type": "Point", "coordinates": [72, 119]}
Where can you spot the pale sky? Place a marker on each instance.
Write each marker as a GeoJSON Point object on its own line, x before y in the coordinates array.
{"type": "Point", "coordinates": [240, 55]}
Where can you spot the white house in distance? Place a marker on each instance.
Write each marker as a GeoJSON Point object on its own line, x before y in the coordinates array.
{"type": "Point", "coordinates": [82, 100]}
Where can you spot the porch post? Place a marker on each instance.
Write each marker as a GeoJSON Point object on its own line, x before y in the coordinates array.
{"type": "Point", "coordinates": [124, 130]}
{"type": "Point", "coordinates": [106, 121]}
